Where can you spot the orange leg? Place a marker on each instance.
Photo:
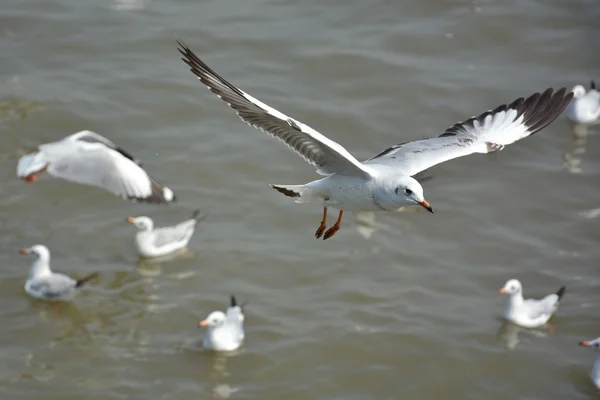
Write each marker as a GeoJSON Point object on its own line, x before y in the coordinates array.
{"type": "Point", "coordinates": [323, 225]}
{"type": "Point", "coordinates": [336, 227]}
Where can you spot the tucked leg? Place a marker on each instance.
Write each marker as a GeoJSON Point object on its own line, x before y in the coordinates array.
{"type": "Point", "coordinates": [323, 225]}
{"type": "Point", "coordinates": [336, 227]}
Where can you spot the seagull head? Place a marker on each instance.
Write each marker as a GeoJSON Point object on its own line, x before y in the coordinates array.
{"type": "Point", "coordinates": [595, 343]}
{"type": "Point", "coordinates": [214, 319]}
{"type": "Point", "coordinates": [141, 223]}
{"type": "Point", "coordinates": [31, 166]}
{"type": "Point", "coordinates": [512, 286]}
{"type": "Point", "coordinates": [411, 192]}
{"type": "Point", "coordinates": [578, 91]}
{"type": "Point", "coordinates": [37, 251]}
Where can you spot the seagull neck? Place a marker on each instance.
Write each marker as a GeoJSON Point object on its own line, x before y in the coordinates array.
{"type": "Point", "coordinates": [40, 267]}
{"type": "Point", "coordinates": [516, 299]}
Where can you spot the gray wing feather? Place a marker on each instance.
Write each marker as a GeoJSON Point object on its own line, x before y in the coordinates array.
{"type": "Point", "coordinates": [325, 154]}
{"type": "Point", "coordinates": [54, 287]}
{"type": "Point", "coordinates": [173, 234]}
{"type": "Point", "coordinates": [539, 308]}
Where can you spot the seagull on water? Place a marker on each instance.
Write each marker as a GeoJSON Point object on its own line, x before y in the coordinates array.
{"type": "Point", "coordinates": [225, 330]}
{"type": "Point", "coordinates": [89, 158]}
{"type": "Point", "coordinates": [529, 313]}
{"type": "Point", "coordinates": [156, 242]}
{"type": "Point", "coordinates": [594, 344]}
{"type": "Point", "coordinates": [44, 284]}
{"type": "Point", "coordinates": [585, 107]}
{"type": "Point", "coordinates": [384, 182]}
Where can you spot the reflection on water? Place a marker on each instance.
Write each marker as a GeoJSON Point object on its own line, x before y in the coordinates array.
{"type": "Point", "coordinates": [572, 158]}
{"type": "Point", "coordinates": [150, 267]}
{"type": "Point", "coordinates": [509, 334]}
{"type": "Point", "coordinates": [219, 376]}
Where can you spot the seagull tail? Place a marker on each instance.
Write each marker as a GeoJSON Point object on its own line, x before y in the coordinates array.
{"type": "Point", "coordinates": [198, 217]}
{"type": "Point", "coordinates": [560, 292]}
{"type": "Point", "coordinates": [85, 279]}
{"type": "Point", "coordinates": [301, 193]}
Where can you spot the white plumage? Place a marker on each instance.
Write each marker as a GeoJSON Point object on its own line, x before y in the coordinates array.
{"type": "Point", "coordinates": [225, 330]}
{"type": "Point", "coordinates": [156, 242]}
{"type": "Point", "coordinates": [90, 159]}
{"type": "Point", "coordinates": [383, 182]}
{"type": "Point", "coordinates": [44, 284]}
{"type": "Point", "coordinates": [529, 313]}
{"type": "Point", "coordinates": [585, 107]}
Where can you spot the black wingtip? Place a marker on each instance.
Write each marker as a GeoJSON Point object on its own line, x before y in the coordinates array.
{"type": "Point", "coordinates": [85, 279]}
{"type": "Point", "coordinates": [593, 85]}
{"type": "Point", "coordinates": [198, 217]}
{"type": "Point", "coordinates": [233, 302]}
{"type": "Point", "coordinates": [561, 292]}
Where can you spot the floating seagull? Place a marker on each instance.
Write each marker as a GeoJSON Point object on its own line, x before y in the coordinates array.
{"type": "Point", "coordinates": [44, 284]}
{"type": "Point", "coordinates": [383, 182]}
{"type": "Point", "coordinates": [156, 242]}
{"type": "Point", "coordinates": [595, 375]}
{"type": "Point", "coordinates": [225, 330]}
{"type": "Point", "coordinates": [585, 107]}
{"type": "Point", "coordinates": [91, 159]}
{"type": "Point", "coordinates": [529, 313]}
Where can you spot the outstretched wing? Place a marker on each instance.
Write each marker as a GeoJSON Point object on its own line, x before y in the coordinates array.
{"type": "Point", "coordinates": [325, 154]}
{"type": "Point", "coordinates": [96, 164]}
{"type": "Point", "coordinates": [488, 132]}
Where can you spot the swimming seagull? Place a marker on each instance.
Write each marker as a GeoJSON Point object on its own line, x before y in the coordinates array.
{"type": "Point", "coordinates": [595, 344]}
{"type": "Point", "coordinates": [529, 313]}
{"type": "Point", "coordinates": [585, 107]}
{"type": "Point", "coordinates": [225, 330]}
{"type": "Point", "coordinates": [156, 242]}
{"type": "Point", "coordinates": [44, 284]}
{"type": "Point", "coordinates": [383, 182]}
{"type": "Point", "coordinates": [89, 158]}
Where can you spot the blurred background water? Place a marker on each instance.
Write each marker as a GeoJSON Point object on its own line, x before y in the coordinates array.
{"type": "Point", "coordinates": [412, 312]}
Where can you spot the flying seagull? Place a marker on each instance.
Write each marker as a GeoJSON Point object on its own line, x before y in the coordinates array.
{"type": "Point", "coordinates": [89, 158]}
{"type": "Point", "coordinates": [384, 182]}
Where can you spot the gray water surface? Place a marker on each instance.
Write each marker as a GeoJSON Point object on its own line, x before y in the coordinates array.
{"type": "Point", "coordinates": [412, 312]}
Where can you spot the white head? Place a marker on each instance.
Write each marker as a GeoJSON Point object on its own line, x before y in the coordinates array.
{"type": "Point", "coordinates": [31, 166]}
{"type": "Point", "coordinates": [39, 252]}
{"type": "Point", "coordinates": [578, 91]}
{"type": "Point", "coordinates": [405, 191]}
{"type": "Point", "coordinates": [595, 343]}
{"type": "Point", "coordinates": [141, 223]}
{"type": "Point", "coordinates": [214, 319]}
{"type": "Point", "coordinates": [41, 260]}
{"type": "Point", "coordinates": [512, 287]}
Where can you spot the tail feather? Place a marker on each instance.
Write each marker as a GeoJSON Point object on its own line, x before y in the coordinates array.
{"type": "Point", "coordinates": [198, 217]}
{"type": "Point", "coordinates": [85, 279]}
{"type": "Point", "coordinates": [234, 303]}
{"type": "Point", "coordinates": [560, 292]}
{"type": "Point", "coordinates": [290, 190]}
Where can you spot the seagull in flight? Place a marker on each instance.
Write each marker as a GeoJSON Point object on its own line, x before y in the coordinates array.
{"type": "Point", "coordinates": [384, 182]}
{"type": "Point", "coordinates": [91, 159]}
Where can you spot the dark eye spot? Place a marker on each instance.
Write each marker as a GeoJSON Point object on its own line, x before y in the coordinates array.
{"type": "Point", "coordinates": [408, 192]}
{"type": "Point", "coordinates": [597, 345]}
